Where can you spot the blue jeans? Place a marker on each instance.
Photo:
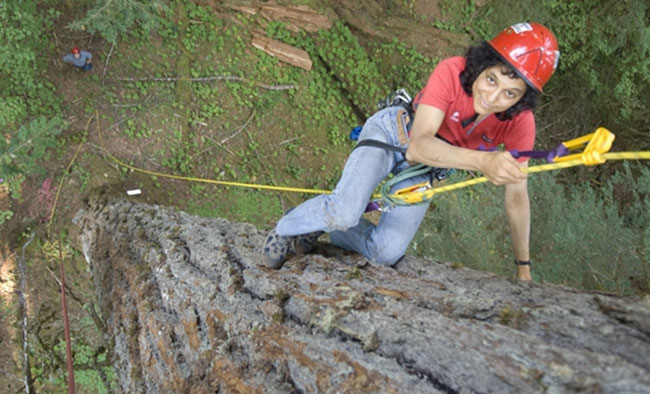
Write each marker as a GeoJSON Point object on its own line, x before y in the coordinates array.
{"type": "Point", "coordinates": [340, 213]}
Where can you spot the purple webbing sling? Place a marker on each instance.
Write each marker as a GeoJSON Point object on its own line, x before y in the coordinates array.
{"type": "Point", "coordinates": [548, 155]}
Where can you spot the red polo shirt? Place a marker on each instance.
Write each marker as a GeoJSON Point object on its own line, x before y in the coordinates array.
{"type": "Point", "coordinates": [444, 91]}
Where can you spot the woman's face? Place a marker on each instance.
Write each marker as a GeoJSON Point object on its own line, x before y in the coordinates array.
{"type": "Point", "coordinates": [495, 91]}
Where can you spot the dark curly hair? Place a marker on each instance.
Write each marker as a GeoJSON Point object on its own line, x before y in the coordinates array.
{"type": "Point", "coordinates": [480, 57]}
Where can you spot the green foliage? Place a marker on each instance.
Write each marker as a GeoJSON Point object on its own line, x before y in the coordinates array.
{"type": "Point", "coordinates": [468, 226]}
{"type": "Point", "coordinates": [88, 378]}
{"type": "Point", "coordinates": [25, 151]}
{"type": "Point", "coordinates": [110, 18]}
{"type": "Point", "coordinates": [580, 237]}
{"type": "Point", "coordinates": [24, 91]}
{"type": "Point", "coordinates": [605, 44]}
{"type": "Point", "coordinates": [179, 156]}
{"type": "Point", "coordinates": [242, 205]}
{"type": "Point", "coordinates": [325, 105]}
{"type": "Point", "coordinates": [90, 371]}
{"type": "Point", "coordinates": [28, 146]}
{"type": "Point", "coordinates": [459, 17]}
{"type": "Point", "coordinates": [27, 99]}
{"type": "Point", "coordinates": [356, 72]}
{"type": "Point", "coordinates": [203, 27]}
{"type": "Point", "coordinates": [403, 66]}
{"type": "Point", "coordinates": [4, 216]}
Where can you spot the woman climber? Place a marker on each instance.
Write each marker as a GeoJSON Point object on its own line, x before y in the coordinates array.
{"type": "Point", "coordinates": [469, 106]}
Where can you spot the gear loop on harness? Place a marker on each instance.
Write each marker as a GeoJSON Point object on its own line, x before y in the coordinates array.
{"type": "Point", "coordinates": [400, 98]}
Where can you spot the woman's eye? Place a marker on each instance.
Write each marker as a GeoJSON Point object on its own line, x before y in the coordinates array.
{"type": "Point", "coordinates": [509, 94]}
{"type": "Point", "coordinates": [490, 80]}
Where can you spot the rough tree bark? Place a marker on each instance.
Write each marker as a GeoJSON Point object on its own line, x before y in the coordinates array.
{"type": "Point", "coordinates": [191, 310]}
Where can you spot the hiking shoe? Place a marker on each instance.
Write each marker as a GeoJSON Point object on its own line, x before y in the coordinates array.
{"type": "Point", "coordinates": [276, 249]}
{"type": "Point", "coordinates": [305, 243]}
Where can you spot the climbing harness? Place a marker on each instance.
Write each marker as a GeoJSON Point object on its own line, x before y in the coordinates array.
{"type": "Point", "coordinates": [397, 198]}
{"type": "Point", "coordinates": [398, 98]}
{"type": "Point", "coordinates": [386, 202]}
{"type": "Point", "coordinates": [380, 144]}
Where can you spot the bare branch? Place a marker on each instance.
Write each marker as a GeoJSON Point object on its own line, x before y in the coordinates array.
{"type": "Point", "coordinates": [208, 79]}
{"type": "Point", "coordinates": [223, 141]}
{"type": "Point", "coordinates": [289, 140]}
{"type": "Point", "coordinates": [108, 58]}
{"type": "Point", "coordinates": [220, 144]}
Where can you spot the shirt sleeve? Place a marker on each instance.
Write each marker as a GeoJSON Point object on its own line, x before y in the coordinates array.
{"type": "Point", "coordinates": [439, 90]}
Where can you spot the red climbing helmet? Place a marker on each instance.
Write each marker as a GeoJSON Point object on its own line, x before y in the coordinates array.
{"type": "Point", "coordinates": [75, 50]}
{"type": "Point", "coordinates": [531, 50]}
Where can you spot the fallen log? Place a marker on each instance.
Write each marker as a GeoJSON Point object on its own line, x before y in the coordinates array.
{"type": "Point", "coordinates": [284, 52]}
{"type": "Point", "coordinates": [191, 310]}
{"type": "Point", "coordinates": [295, 17]}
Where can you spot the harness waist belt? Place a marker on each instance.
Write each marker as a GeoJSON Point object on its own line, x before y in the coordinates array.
{"type": "Point", "coordinates": [380, 144]}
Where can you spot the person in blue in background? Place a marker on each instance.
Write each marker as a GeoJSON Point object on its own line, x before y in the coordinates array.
{"type": "Point", "coordinates": [79, 59]}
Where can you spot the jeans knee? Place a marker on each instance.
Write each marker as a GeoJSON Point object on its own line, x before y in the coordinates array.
{"type": "Point", "coordinates": [340, 216]}
{"type": "Point", "coordinates": [386, 255]}
{"type": "Point", "coordinates": [387, 261]}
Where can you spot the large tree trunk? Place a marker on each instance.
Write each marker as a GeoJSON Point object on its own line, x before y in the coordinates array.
{"type": "Point", "coordinates": [191, 310]}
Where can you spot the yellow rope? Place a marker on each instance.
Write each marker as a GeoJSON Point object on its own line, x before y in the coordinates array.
{"type": "Point", "coordinates": [224, 183]}
{"type": "Point", "coordinates": [409, 197]}
{"type": "Point", "coordinates": [212, 181]}
{"type": "Point", "coordinates": [645, 155]}
{"type": "Point", "coordinates": [641, 155]}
